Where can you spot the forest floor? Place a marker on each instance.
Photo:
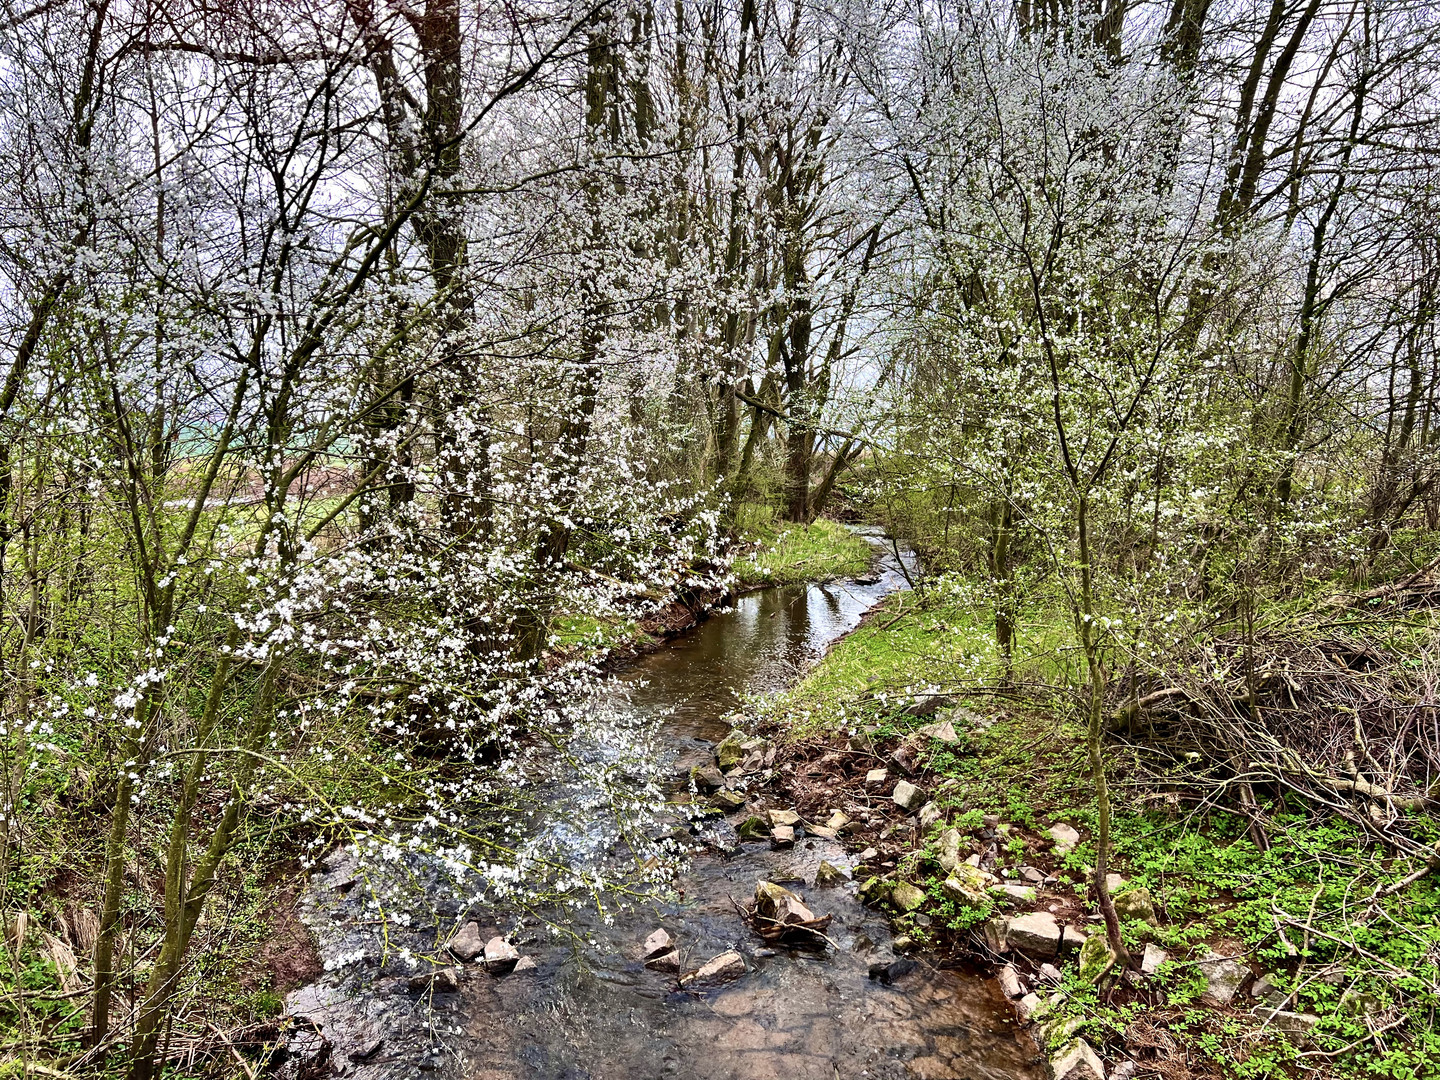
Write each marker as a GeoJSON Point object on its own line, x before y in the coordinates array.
{"type": "Point", "coordinates": [1283, 960]}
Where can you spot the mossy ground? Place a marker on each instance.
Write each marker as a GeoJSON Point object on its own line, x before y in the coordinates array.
{"type": "Point", "coordinates": [1369, 971]}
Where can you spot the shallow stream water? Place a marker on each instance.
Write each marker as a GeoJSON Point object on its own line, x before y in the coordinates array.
{"type": "Point", "coordinates": [793, 1015]}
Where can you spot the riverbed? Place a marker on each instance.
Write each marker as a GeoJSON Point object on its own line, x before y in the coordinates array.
{"type": "Point", "coordinates": [597, 1013]}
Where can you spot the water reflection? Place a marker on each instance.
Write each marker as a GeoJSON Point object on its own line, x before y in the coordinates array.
{"type": "Point", "coordinates": [763, 642]}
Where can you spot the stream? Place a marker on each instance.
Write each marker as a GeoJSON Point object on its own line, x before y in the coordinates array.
{"type": "Point", "coordinates": [793, 1015]}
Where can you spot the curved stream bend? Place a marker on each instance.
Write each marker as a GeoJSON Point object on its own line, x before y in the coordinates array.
{"type": "Point", "coordinates": [794, 1015]}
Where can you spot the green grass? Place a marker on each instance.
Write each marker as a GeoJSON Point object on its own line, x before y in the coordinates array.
{"type": "Point", "coordinates": [784, 554]}
{"type": "Point", "coordinates": [938, 641]}
{"type": "Point", "coordinates": [581, 631]}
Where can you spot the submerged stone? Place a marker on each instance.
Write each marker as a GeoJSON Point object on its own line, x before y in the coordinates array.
{"type": "Point", "coordinates": [725, 966]}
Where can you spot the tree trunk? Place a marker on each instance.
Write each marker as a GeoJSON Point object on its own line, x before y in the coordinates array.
{"type": "Point", "coordinates": [1093, 734]}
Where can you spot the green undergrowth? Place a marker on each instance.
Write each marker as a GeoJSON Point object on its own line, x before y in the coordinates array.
{"type": "Point", "coordinates": [780, 553]}
{"type": "Point", "coordinates": [1311, 910]}
{"type": "Point", "coordinates": [917, 644]}
{"type": "Point", "coordinates": [589, 633]}
{"type": "Point", "coordinates": [246, 951]}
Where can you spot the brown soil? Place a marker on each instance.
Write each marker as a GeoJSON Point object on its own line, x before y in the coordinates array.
{"type": "Point", "coordinates": [287, 958]}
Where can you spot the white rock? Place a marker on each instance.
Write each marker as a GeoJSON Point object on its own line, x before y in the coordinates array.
{"type": "Point", "coordinates": [943, 731]}
{"type": "Point", "coordinates": [997, 934]}
{"type": "Point", "coordinates": [949, 850]}
{"type": "Point", "coordinates": [929, 815]}
{"type": "Point", "coordinates": [1153, 958]}
{"type": "Point", "coordinates": [1269, 994]}
{"type": "Point", "coordinates": [907, 796]}
{"type": "Point", "coordinates": [1031, 1007]}
{"type": "Point", "coordinates": [964, 891]}
{"type": "Point", "coordinates": [658, 942]}
{"type": "Point", "coordinates": [1035, 934]}
{"type": "Point", "coordinates": [500, 955]}
{"type": "Point", "coordinates": [1019, 894]}
{"type": "Point", "coordinates": [1295, 1026]}
{"type": "Point", "coordinates": [1223, 978]}
{"type": "Point", "coordinates": [1077, 1061]}
{"type": "Point", "coordinates": [1065, 838]}
{"type": "Point", "coordinates": [876, 777]}
{"type": "Point", "coordinates": [467, 944]}
{"type": "Point", "coordinates": [1009, 980]}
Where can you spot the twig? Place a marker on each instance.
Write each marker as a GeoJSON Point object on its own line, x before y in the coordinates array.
{"type": "Point", "coordinates": [239, 1058]}
{"type": "Point", "coordinates": [1346, 1049]}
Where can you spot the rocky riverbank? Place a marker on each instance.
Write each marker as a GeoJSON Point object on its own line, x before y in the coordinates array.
{"type": "Point", "coordinates": [1006, 897]}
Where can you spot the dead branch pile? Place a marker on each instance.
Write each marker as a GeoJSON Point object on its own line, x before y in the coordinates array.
{"type": "Point", "coordinates": [1344, 720]}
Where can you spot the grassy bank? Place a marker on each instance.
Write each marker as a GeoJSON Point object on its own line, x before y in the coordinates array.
{"type": "Point", "coordinates": [774, 552]}
{"type": "Point", "coordinates": [1334, 935]}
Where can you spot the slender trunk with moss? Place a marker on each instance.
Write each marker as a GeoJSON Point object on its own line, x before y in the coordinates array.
{"type": "Point", "coordinates": [1002, 524]}
{"type": "Point", "coordinates": [1094, 730]}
